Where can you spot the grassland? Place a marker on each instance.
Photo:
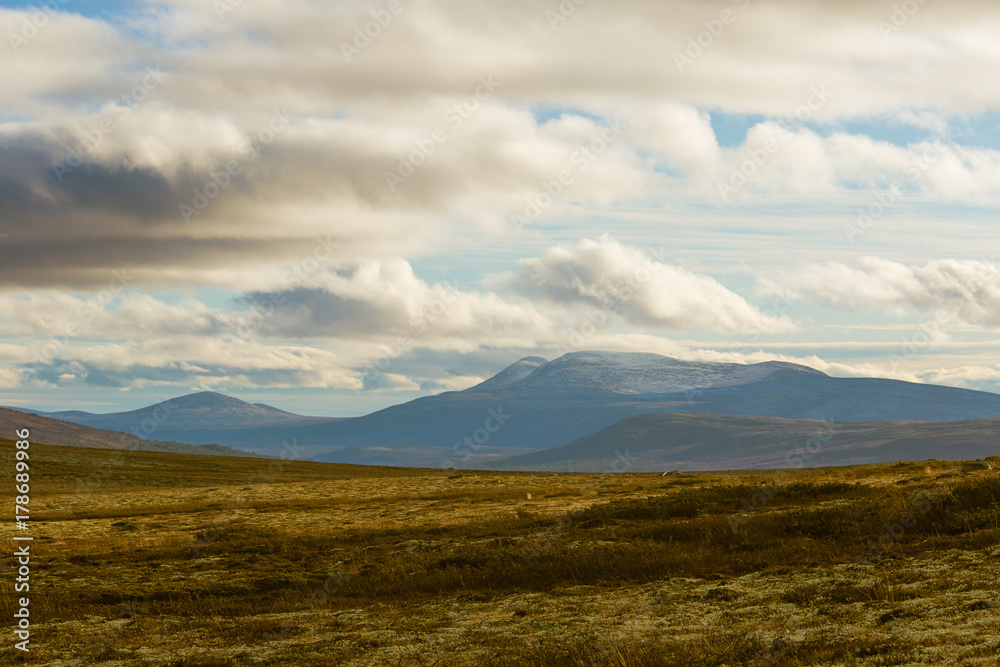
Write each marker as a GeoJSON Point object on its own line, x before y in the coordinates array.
{"type": "Point", "coordinates": [189, 561]}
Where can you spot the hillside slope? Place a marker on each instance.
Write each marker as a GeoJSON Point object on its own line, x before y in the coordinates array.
{"type": "Point", "coordinates": [48, 431]}
{"type": "Point", "coordinates": [722, 442]}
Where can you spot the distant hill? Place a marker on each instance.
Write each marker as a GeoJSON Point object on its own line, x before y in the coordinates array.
{"type": "Point", "coordinates": [48, 431]}
{"type": "Point", "coordinates": [536, 404]}
{"type": "Point", "coordinates": [204, 409]}
{"type": "Point", "coordinates": [200, 418]}
{"type": "Point", "coordinates": [722, 442]}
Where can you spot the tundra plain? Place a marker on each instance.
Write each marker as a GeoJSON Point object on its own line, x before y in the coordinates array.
{"type": "Point", "coordinates": [147, 558]}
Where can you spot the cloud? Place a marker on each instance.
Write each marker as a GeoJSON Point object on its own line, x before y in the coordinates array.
{"type": "Point", "coordinates": [325, 326]}
{"type": "Point", "coordinates": [313, 201]}
{"type": "Point", "coordinates": [783, 161]}
{"type": "Point", "coordinates": [385, 300]}
{"type": "Point", "coordinates": [122, 204]}
{"type": "Point", "coordinates": [59, 58]}
{"type": "Point", "coordinates": [346, 124]}
{"type": "Point", "coordinates": [607, 275]}
{"type": "Point", "coordinates": [972, 376]}
{"type": "Point", "coordinates": [369, 301]}
{"type": "Point", "coordinates": [968, 290]}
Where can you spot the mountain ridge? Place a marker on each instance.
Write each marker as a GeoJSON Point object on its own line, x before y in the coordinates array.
{"type": "Point", "coordinates": [630, 373]}
{"type": "Point", "coordinates": [550, 403]}
{"type": "Point", "coordinates": [204, 417]}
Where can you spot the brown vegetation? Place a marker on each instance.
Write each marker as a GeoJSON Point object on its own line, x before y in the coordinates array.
{"type": "Point", "coordinates": [177, 560]}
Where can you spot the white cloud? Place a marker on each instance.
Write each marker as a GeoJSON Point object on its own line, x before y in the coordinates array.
{"type": "Point", "coordinates": [968, 290]}
{"type": "Point", "coordinates": [969, 376]}
{"type": "Point", "coordinates": [323, 177]}
{"type": "Point", "coordinates": [607, 275]}
{"type": "Point", "coordinates": [350, 122]}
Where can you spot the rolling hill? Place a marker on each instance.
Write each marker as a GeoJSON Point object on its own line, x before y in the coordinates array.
{"type": "Point", "coordinates": [723, 442]}
{"type": "Point", "coordinates": [48, 431]}
{"type": "Point", "coordinates": [202, 418]}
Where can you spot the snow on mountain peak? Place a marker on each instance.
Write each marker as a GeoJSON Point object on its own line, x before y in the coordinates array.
{"type": "Point", "coordinates": [513, 373]}
{"type": "Point", "coordinates": [630, 373]}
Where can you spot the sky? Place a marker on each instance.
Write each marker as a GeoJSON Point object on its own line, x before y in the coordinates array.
{"type": "Point", "coordinates": [332, 207]}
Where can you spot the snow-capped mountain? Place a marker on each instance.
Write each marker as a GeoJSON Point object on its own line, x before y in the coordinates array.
{"type": "Point", "coordinates": [536, 404]}
{"type": "Point", "coordinates": [551, 403]}
{"type": "Point", "coordinates": [631, 374]}
{"type": "Point", "coordinates": [510, 375]}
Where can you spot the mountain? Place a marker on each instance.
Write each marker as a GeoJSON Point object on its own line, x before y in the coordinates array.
{"type": "Point", "coordinates": [551, 403]}
{"type": "Point", "coordinates": [205, 409]}
{"type": "Point", "coordinates": [535, 404]}
{"type": "Point", "coordinates": [201, 418]}
{"type": "Point", "coordinates": [48, 431]}
{"type": "Point", "coordinates": [508, 376]}
{"type": "Point", "coordinates": [653, 443]}
{"type": "Point", "coordinates": [630, 374]}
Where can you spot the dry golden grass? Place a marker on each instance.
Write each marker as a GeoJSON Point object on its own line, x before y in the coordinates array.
{"type": "Point", "coordinates": [146, 558]}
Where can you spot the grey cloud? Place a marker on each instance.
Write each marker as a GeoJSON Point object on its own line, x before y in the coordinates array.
{"type": "Point", "coordinates": [352, 121]}
{"type": "Point", "coordinates": [93, 374]}
{"type": "Point", "coordinates": [385, 301]}
{"type": "Point", "coordinates": [73, 231]}
{"type": "Point", "coordinates": [312, 312]}
{"type": "Point", "coordinates": [89, 263]}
